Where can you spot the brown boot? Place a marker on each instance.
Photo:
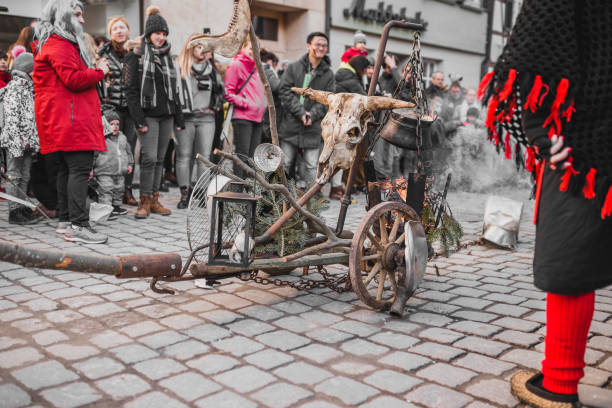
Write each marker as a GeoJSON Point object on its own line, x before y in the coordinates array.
{"type": "Point", "coordinates": [144, 207]}
{"type": "Point", "coordinates": [128, 197]}
{"type": "Point", "coordinates": [157, 208]}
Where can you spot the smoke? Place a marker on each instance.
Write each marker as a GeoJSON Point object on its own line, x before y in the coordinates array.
{"type": "Point", "coordinates": [476, 166]}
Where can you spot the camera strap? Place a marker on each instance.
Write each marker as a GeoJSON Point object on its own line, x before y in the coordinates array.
{"type": "Point", "coordinates": [247, 81]}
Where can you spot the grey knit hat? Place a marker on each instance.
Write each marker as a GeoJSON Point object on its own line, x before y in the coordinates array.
{"type": "Point", "coordinates": [24, 63]}
{"type": "Point", "coordinates": [359, 37]}
{"type": "Point", "coordinates": [155, 22]}
{"type": "Point", "coordinates": [111, 114]}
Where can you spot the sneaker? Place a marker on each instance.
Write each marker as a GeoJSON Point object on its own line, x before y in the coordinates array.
{"type": "Point", "coordinates": [118, 210]}
{"type": "Point", "coordinates": [86, 235]}
{"type": "Point", "coordinates": [62, 227]}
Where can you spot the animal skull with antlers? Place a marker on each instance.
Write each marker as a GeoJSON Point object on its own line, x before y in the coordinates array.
{"type": "Point", "coordinates": [229, 43]}
{"type": "Point", "coordinates": [345, 125]}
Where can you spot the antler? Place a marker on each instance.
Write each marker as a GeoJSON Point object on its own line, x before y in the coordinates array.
{"type": "Point", "coordinates": [229, 43]}
{"type": "Point", "coordinates": [317, 96]}
{"type": "Point", "coordinates": [382, 103]}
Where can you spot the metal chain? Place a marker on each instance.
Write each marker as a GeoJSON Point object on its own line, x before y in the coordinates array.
{"type": "Point", "coordinates": [415, 64]}
{"type": "Point", "coordinates": [465, 245]}
{"type": "Point", "coordinates": [303, 284]}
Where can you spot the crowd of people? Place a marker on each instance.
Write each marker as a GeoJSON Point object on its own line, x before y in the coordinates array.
{"type": "Point", "coordinates": [80, 113]}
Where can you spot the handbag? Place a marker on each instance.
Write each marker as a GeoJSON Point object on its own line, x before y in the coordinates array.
{"type": "Point", "coordinates": [230, 110]}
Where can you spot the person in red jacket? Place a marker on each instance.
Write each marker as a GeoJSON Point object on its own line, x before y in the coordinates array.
{"type": "Point", "coordinates": [67, 109]}
{"type": "Point", "coordinates": [359, 47]}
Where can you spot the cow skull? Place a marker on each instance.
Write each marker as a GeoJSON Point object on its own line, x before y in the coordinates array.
{"type": "Point", "coordinates": [229, 43]}
{"type": "Point", "coordinates": [344, 126]}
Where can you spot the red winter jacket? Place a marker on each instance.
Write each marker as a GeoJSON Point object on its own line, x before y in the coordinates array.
{"type": "Point", "coordinates": [5, 78]}
{"type": "Point", "coordinates": [250, 103]}
{"type": "Point", "coordinates": [67, 108]}
{"type": "Point", "coordinates": [352, 52]}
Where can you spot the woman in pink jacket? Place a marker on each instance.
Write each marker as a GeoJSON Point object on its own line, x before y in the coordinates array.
{"type": "Point", "coordinates": [244, 89]}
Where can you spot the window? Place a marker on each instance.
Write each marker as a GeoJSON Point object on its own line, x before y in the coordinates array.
{"type": "Point", "coordinates": [266, 28]}
{"type": "Point", "coordinates": [429, 67]}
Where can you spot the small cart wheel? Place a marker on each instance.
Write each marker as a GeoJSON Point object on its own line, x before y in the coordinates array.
{"type": "Point", "coordinates": [377, 253]}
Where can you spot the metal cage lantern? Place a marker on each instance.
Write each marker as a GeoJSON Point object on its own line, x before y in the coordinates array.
{"type": "Point", "coordinates": [232, 211]}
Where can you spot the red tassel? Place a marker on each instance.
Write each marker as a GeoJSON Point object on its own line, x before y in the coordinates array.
{"type": "Point", "coordinates": [551, 132]}
{"type": "Point", "coordinates": [494, 136]}
{"type": "Point", "coordinates": [493, 104]}
{"type": "Point", "coordinates": [569, 111]}
{"type": "Point", "coordinates": [606, 211]}
{"type": "Point", "coordinates": [506, 115]}
{"type": "Point", "coordinates": [546, 91]}
{"type": "Point", "coordinates": [569, 172]}
{"type": "Point", "coordinates": [505, 93]}
{"type": "Point", "coordinates": [540, 176]}
{"type": "Point", "coordinates": [484, 84]}
{"type": "Point", "coordinates": [556, 105]}
{"type": "Point", "coordinates": [589, 185]}
{"type": "Point", "coordinates": [532, 98]}
{"type": "Point", "coordinates": [529, 159]}
{"type": "Point", "coordinates": [507, 146]}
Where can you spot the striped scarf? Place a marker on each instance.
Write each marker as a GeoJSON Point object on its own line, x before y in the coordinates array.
{"type": "Point", "coordinates": [186, 91]}
{"type": "Point", "coordinates": [153, 59]}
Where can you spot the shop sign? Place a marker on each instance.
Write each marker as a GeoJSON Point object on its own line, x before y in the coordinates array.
{"type": "Point", "coordinates": [382, 14]}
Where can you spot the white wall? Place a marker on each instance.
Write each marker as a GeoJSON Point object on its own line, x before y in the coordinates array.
{"type": "Point", "coordinates": [24, 8]}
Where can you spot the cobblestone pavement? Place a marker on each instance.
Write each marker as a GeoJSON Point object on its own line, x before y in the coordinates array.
{"type": "Point", "coordinates": [71, 339]}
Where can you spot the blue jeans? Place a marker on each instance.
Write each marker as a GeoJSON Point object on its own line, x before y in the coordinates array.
{"type": "Point", "coordinates": [197, 137]}
{"type": "Point", "coordinates": [18, 170]}
{"type": "Point", "coordinates": [154, 144]}
{"type": "Point", "coordinates": [307, 172]}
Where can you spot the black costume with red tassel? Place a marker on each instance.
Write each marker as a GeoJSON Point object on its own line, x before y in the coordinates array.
{"type": "Point", "coordinates": [554, 77]}
{"type": "Point", "coordinates": [559, 49]}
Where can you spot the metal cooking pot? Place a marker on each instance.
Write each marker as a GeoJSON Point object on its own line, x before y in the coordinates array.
{"type": "Point", "coordinates": [401, 130]}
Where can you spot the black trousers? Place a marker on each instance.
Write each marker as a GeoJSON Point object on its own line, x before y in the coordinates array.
{"type": "Point", "coordinates": [43, 179]}
{"type": "Point", "coordinates": [72, 181]}
{"type": "Point", "coordinates": [247, 136]}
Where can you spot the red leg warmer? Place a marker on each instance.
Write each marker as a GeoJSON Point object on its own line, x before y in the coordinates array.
{"type": "Point", "coordinates": [568, 319]}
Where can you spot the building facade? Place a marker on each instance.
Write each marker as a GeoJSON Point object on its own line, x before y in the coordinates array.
{"type": "Point", "coordinates": [453, 41]}
{"type": "Point", "coordinates": [456, 37]}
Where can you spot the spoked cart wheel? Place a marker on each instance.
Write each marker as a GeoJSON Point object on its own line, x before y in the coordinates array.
{"type": "Point", "coordinates": [377, 258]}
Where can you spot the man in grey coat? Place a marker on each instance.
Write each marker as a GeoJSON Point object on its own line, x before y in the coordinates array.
{"type": "Point", "coordinates": [301, 124]}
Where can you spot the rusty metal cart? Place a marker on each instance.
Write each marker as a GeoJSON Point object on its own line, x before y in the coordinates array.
{"type": "Point", "coordinates": [386, 255]}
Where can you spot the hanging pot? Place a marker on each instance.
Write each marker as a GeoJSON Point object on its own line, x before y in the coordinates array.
{"type": "Point", "coordinates": [401, 130]}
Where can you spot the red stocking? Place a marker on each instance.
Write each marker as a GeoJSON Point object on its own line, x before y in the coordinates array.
{"type": "Point", "coordinates": [568, 319]}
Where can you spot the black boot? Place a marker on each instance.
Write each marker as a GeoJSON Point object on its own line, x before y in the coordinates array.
{"type": "Point", "coordinates": [15, 217]}
{"type": "Point", "coordinates": [23, 216]}
{"type": "Point", "coordinates": [184, 201]}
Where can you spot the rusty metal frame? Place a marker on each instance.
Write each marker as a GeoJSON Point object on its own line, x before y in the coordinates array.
{"type": "Point", "coordinates": [361, 149]}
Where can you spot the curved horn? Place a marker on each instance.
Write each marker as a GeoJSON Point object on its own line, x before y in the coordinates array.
{"type": "Point", "coordinates": [317, 96]}
{"type": "Point", "coordinates": [229, 43]}
{"type": "Point", "coordinates": [382, 102]}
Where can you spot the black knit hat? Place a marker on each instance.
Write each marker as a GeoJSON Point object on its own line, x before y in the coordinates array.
{"type": "Point", "coordinates": [155, 22]}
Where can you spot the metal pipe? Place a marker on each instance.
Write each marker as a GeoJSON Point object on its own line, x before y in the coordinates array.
{"type": "Point", "coordinates": [269, 99]}
{"type": "Point", "coordinates": [204, 270]}
{"type": "Point", "coordinates": [123, 267]}
{"type": "Point", "coordinates": [346, 199]}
